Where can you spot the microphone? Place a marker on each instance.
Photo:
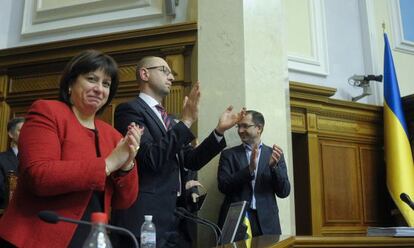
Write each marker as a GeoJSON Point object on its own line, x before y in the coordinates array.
{"type": "Point", "coordinates": [405, 198]}
{"type": "Point", "coordinates": [52, 217]}
{"type": "Point", "coordinates": [366, 78]}
{"type": "Point", "coordinates": [186, 214]}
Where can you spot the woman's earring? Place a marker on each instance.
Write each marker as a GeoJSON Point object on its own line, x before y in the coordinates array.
{"type": "Point", "coordinates": [70, 91]}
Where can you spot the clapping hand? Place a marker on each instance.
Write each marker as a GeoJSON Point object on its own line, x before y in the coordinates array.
{"type": "Point", "coordinates": [191, 105]}
{"type": "Point", "coordinates": [123, 155]}
{"type": "Point", "coordinates": [133, 139]}
{"type": "Point", "coordinates": [276, 155]}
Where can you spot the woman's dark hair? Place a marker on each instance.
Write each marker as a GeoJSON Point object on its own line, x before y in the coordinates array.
{"type": "Point", "coordinates": [83, 63]}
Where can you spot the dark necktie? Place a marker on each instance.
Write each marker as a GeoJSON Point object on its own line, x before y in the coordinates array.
{"type": "Point", "coordinates": [164, 115]}
{"type": "Point", "coordinates": [168, 125]}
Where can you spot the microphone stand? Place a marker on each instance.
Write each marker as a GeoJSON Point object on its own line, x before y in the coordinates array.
{"type": "Point", "coordinates": [406, 198]}
{"type": "Point", "coordinates": [186, 214]}
{"type": "Point", "coordinates": [52, 217]}
{"type": "Point", "coordinates": [217, 228]}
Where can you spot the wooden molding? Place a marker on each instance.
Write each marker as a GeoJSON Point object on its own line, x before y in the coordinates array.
{"type": "Point", "coordinates": [322, 91]}
{"type": "Point", "coordinates": [163, 39]}
{"type": "Point", "coordinates": [332, 115]}
{"type": "Point", "coordinates": [32, 72]}
{"type": "Point", "coordinates": [285, 241]}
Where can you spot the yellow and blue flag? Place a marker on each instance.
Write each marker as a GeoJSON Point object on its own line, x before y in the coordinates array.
{"type": "Point", "coordinates": [249, 235]}
{"type": "Point", "coordinates": [398, 156]}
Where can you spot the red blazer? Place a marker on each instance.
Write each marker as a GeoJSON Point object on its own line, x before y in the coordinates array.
{"type": "Point", "coordinates": [58, 171]}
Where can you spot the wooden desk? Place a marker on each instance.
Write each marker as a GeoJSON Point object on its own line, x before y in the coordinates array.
{"type": "Point", "coordinates": [283, 241]}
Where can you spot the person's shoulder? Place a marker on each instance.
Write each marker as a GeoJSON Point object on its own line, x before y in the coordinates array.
{"type": "Point", "coordinates": [130, 103]}
{"type": "Point", "coordinates": [264, 146]}
{"type": "Point", "coordinates": [232, 149]}
{"type": "Point", "coordinates": [3, 154]}
{"type": "Point", "coordinates": [133, 104]}
{"type": "Point", "coordinates": [124, 104]}
{"type": "Point", "coordinates": [49, 104]}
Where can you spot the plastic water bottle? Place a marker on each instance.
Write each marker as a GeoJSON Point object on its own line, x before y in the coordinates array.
{"type": "Point", "coordinates": [148, 236]}
{"type": "Point", "coordinates": [98, 238]}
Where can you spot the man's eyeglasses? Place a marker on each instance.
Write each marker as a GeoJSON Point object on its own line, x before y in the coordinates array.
{"type": "Point", "coordinates": [162, 68]}
{"type": "Point", "coordinates": [244, 126]}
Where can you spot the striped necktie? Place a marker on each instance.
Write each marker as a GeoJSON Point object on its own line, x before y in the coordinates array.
{"type": "Point", "coordinates": [164, 115]}
{"type": "Point", "coordinates": [168, 125]}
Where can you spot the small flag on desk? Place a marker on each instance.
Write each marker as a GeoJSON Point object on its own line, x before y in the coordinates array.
{"type": "Point", "coordinates": [398, 156]}
{"type": "Point", "coordinates": [246, 222]}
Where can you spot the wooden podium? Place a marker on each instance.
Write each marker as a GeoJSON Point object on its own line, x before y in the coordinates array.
{"type": "Point", "coordinates": [282, 241]}
{"type": "Point", "coordinates": [339, 170]}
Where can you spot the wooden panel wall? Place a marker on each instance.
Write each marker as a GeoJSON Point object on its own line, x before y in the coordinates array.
{"type": "Point", "coordinates": [338, 159]}
{"type": "Point", "coordinates": [340, 182]}
{"type": "Point", "coordinates": [32, 72]}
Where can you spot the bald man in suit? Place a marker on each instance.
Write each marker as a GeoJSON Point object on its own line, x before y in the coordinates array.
{"type": "Point", "coordinates": [165, 150]}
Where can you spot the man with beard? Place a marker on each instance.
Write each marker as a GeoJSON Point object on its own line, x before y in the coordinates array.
{"type": "Point", "coordinates": [254, 172]}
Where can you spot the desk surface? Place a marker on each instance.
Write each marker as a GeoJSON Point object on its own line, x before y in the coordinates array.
{"type": "Point", "coordinates": [284, 241]}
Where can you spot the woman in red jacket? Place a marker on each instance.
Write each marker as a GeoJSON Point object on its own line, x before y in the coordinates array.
{"type": "Point", "coordinates": [71, 162]}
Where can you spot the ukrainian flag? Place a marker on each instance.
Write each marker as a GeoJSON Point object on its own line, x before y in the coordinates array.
{"type": "Point", "coordinates": [398, 156]}
{"type": "Point", "coordinates": [249, 235]}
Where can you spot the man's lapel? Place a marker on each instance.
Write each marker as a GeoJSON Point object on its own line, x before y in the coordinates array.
{"type": "Point", "coordinates": [151, 113]}
{"type": "Point", "coordinates": [241, 157]}
{"type": "Point", "coordinates": [263, 162]}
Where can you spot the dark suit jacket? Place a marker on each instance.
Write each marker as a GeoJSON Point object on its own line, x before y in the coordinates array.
{"type": "Point", "coordinates": [234, 180]}
{"type": "Point", "coordinates": [187, 228]}
{"type": "Point", "coordinates": [160, 155]}
{"type": "Point", "coordinates": [8, 162]}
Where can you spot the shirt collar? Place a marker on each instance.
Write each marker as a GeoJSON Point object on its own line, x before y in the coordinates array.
{"type": "Point", "coordinates": [249, 147]}
{"type": "Point", "coordinates": [148, 99]}
{"type": "Point", "coordinates": [15, 150]}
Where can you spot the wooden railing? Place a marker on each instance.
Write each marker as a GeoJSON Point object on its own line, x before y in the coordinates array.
{"type": "Point", "coordinates": [273, 241]}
